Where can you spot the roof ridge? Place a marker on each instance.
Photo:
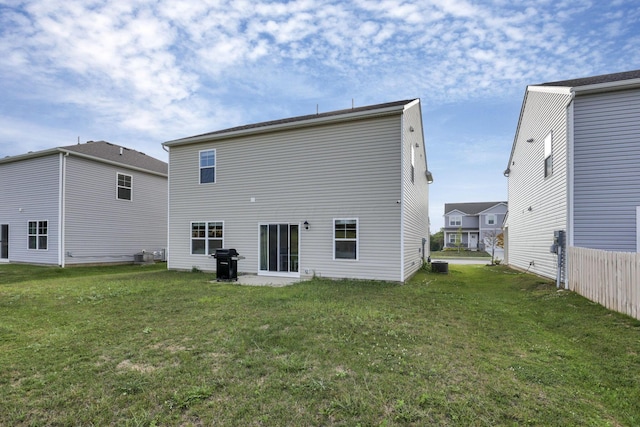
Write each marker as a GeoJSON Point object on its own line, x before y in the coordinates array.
{"type": "Point", "coordinates": [304, 117]}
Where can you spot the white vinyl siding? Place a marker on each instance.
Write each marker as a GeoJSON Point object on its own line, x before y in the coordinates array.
{"type": "Point", "coordinates": [606, 170]}
{"type": "Point", "coordinates": [96, 228]}
{"type": "Point", "coordinates": [99, 230]}
{"type": "Point", "coordinates": [538, 205]}
{"type": "Point", "coordinates": [29, 192]}
{"type": "Point", "coordinates": [415, 193]}
{"type": "Point", "coordinates": [315, 174]}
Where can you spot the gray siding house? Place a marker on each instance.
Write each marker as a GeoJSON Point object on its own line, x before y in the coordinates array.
{"type": "Point", "coordinates": [342, 194]}
{"type": "Point", "coordinates": [87, 203]}
{"type": "Point", "coordinates": [574, 167]}
{"type": "Point", "coordinates": [473, 223]}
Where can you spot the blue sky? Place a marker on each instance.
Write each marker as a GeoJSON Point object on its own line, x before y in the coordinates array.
{"type": "Point", "coordinates": [141, 72]}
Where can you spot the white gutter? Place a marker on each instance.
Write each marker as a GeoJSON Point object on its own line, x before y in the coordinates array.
{"type": "Point", "coordinates": [607, 87]}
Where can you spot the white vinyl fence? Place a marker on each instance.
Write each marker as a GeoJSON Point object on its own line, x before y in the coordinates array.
{"type": "Point", "coordinates": [608, 278]}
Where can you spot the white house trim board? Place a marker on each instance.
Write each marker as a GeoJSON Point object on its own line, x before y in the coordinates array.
{"type": "Point", "coordinates": [607, 87]}
{"type": "Point", "coordinates": [563, 90]}
{"type": "Point", "coordinates": [570, 172]}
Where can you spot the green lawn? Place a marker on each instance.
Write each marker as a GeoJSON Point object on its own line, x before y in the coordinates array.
{"type": "Point", "coordinates": [141, 346]}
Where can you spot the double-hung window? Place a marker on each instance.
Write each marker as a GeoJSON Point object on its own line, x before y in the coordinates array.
{"type": "Point", "coordinates": [548, 156]}
{"type": "Point", "coordinates": [207, 166]}
{"type": "Point", "coordinates": [453, 238]}
{"type": "Point", "coordinates": [455, 220]}
{"type": "Point", "coordinates": [491, 219]}
{"type": "Point", "coordinates": [123, 187]}
{"type": "Point", "coordinates": [38, 234]}
{"type": "Point", "coordinates": [345, 236]}
{"type": "Point", "coordinates": [413, 163]}
{"type": "Point", "coordinates": [206, 237]}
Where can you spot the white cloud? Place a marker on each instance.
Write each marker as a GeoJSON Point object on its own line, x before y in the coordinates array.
{"type": "Point", "coordinates": [160, 69]}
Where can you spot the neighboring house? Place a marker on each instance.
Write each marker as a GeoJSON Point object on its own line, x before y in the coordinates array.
{"type": "Point", "coordinates": [342, 194]}
{"type": "Point", "coordinates": [473, 226]}
{"type": "Point", "coordinates": [574, 168]}
{"type": "Point", "coordinates": [87, 203]}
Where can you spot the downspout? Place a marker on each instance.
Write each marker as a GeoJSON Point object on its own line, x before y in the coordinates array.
{"type": "Point", "coordinates": [401, 201]}
{"type": "Point", "coordinates": [166, 250]}
{"type": "Point", "coordinates": [61, 208]}
{"type": "Point", "coordinates": [570, 172]}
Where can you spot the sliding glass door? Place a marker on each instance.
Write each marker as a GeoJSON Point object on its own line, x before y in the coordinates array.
{"type": "Point", "coordinates": [279, 248]}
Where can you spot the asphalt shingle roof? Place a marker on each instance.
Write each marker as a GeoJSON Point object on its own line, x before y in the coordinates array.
{"type": "Point", "coordinates": [604, 78]}
{"type": "Point", "coordinates": [129, 157]}
{"type": "Point", "coordinates": [303, 118]}
{"type": "Point", "coordinates": [473, 208]}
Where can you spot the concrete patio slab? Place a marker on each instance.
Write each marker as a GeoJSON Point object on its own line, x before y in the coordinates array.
{"type": "Point", "coordinates": [255, 280]}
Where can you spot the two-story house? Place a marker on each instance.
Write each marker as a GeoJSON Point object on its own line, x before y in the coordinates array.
{"type": "Point", "coordinates": [82, 204]}
{"type": "Point", "coordinates": [574, 168]}
{"type": "Point", "coordinates": [342, 194]}
{"type": "Point", "coordinates": [473, 226]}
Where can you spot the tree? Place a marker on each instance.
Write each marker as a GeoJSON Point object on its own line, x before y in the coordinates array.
{"type": "Point", "coordinates": [493, 240]}
{"type": "Point", "coordinates": [459, 238]}
{"type": "Point", "coordinates": [437, 241]}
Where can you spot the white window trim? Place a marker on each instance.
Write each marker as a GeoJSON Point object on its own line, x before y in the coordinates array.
{"type": "Point", "coordinates": [452, 222]}
{"type": "Point", "coordinates": [118, 186]}
{"type": "Point", "coordinates": [38, 235]}
{"type": "Point", "coordinates": [206, 238]}
{"type": "Point", "coordinates": [215, 167]}
{"type": "Point", "coordinates": [357, 239]}
{"type": "Point", "coordinates": [413, 163]}
{"type": "Point", "coordinates": [548, 154]}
